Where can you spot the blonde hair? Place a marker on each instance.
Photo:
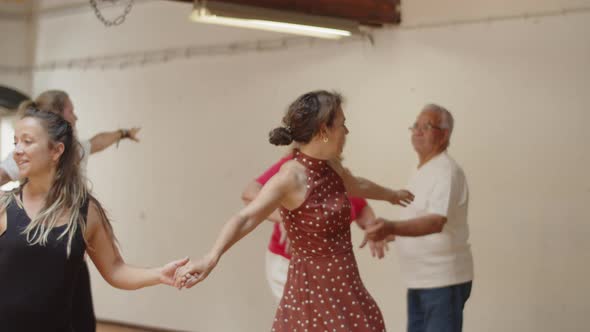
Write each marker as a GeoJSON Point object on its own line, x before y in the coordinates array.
{"type": "Point", "coordinates": [68, 192]}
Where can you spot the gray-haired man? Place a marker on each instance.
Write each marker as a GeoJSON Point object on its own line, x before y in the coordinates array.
{"type": "Point", "coordinates": [432, 235]}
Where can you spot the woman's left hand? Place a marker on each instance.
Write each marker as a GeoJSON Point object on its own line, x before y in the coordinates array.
{"type": "Point", "coordinates": [167, 271]}
{"type": "Point", "coordinates": [194, 272]}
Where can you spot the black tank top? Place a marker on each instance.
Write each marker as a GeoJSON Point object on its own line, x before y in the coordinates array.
{"type": "Point", "coordinates": [37, 282]}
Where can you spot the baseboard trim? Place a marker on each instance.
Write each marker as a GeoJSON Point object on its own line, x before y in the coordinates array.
{"type": "Point", "coordinates": [137, 326]}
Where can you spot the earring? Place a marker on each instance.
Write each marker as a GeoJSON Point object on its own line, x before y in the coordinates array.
{"type": "Point", "coordinates": [325, 140]}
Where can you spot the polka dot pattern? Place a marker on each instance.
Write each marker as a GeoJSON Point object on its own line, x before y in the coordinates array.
{"type": "Point", "coordinates": [324, 291]}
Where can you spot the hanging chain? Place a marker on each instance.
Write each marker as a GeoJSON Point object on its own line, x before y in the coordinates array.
{"type": "Point", "coordinates": [118, 20]}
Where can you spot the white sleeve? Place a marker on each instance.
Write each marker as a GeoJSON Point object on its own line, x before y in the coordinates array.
{"type": "Point", "coordinates": [10, 167]}
{"type": "Point", "coordinates": [450, 191]}
{"type": "Point", "coordinates": [440, 197]}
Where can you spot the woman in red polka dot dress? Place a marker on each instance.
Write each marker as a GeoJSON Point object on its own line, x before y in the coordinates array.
{"type": "Point", "coordinates": [324, 291]}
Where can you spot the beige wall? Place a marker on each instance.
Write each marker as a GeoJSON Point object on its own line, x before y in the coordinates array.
{"type": "Point", "coordinates": [429, 12]}
{"type": "Point", "coordinates": [16, 44]}
{"type": "Point", "coordinates": [518, 90]}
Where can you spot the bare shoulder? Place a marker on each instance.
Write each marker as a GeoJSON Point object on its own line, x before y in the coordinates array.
{"type": "Point", "coordinates": [93, 215]}
{"type": "Point", "coordinates": [291, 174]}
{"type": "Point", "coordinates": [96, 216]}
{"type": "Point", "coordinates": [292, 169]}
{"type": "Point", "coordinates": [5, 198]}
{"type": "Point", "coordinates": [3, 216]}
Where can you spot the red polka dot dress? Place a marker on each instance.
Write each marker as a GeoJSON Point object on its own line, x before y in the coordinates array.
{"type": "Point", "coordinates": [324, 291]}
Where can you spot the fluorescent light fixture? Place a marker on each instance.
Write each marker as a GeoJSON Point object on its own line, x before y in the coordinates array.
{"type": "Point", "coordinates": [215, 12]}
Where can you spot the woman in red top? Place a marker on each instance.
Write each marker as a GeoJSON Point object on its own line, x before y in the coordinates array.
{"type": "Point", "coordinates": [278, 254]}
{"type": "Point", "coordinates": [324, 290]}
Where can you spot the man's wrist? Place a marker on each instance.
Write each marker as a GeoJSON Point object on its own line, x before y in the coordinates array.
{"type": "Point", "coordinates": [390, 227]}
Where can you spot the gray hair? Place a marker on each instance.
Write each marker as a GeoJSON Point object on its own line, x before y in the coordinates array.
{"type": "Point", "coordinates": [446, 118]}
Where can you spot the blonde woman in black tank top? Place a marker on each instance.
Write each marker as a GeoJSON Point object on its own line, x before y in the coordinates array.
{"type": "Point", "coordinates": [48, 224]}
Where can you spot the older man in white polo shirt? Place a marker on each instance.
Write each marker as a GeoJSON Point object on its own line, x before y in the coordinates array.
{"type": "Point", "coordinates": [432, 235]}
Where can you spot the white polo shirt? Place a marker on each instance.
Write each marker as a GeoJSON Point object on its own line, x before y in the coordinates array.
{"type": "Point", "coordinates": [440, 259]}
{"type": "Point", "coordinates": [11, 168]}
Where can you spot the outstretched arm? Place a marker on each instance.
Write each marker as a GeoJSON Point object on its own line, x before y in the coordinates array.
{"type": "Point", "coordinates": [105, 139]}
{"type": "Point", "coordinates": [268, 200]}
{"type": "Point", "coordinates": [361, 187]}
{"type": "Point", "coordinates": [108, 260]}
